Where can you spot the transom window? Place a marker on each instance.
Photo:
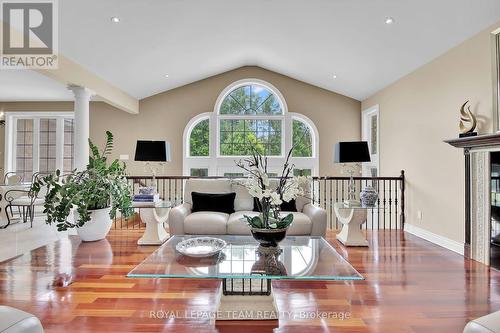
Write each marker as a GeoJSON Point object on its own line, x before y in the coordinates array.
{"type": "Point", "coordinates": [249, 113]}
{"type": "Point", "coordinates": [251, 99]}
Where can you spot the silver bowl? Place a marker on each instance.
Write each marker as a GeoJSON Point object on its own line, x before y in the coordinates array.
{"type": "Point", "coordinates": [201, 247]}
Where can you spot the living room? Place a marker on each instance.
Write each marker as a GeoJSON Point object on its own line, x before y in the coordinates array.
{"type": "Point", "coordinates": [266, 166]}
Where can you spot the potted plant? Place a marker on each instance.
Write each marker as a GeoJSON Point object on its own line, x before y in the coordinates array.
{"type": "Point", "coordinates": [96, 194]}
{"type": "Point", "coordinates": [270, 226]}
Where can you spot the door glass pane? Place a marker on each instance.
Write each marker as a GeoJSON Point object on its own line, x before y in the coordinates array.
{"type": "Point", "coordinates": [47, 150]}
{"type": "Point", "coordinates": [24, 148]}
{"type": "Point", "coordinates": [198, 172]}
{"type": "Point", "coordinates": [69, 148]}
{"type": "Point", "coordinates": [373, 135]}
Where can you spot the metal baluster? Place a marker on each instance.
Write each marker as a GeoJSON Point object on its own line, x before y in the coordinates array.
{"type": "Point", "coordinates": [396, 201]}
{"type": "Point", "coordinates": [390, 204]}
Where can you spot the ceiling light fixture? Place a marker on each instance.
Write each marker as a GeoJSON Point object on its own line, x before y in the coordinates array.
{"type": "Point", "coordinates": [334, 76]}
{"type": "Point", "coordinates": [389, 20]}
{"type": "Point", "coordinates": [115, 19]}
{"type": "Point", "coordinates": [166, 75]}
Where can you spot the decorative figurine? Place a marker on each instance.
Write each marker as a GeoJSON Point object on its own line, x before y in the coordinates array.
{"type": "Point", "coordinates": [467, 122]}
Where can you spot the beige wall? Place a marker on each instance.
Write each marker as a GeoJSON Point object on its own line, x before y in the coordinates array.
{"type": "Point", "coordinates": [164, 116]}
{"type": "Point", "coordinates": [421, 110]}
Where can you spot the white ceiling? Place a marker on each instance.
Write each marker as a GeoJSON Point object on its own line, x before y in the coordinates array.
{"type": "Point", "coordinates": [309, 40]}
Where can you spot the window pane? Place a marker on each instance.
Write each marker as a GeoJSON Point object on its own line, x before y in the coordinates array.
{"type": "Point", "coordinates": [251, 99]}
{"type": "Point", "coordinates": [199, 139]}
{"type": "Point", "coordinates": [47, 149]}
{"type": "Point", "coordinates": [302, 139]}
{"type": "Point", "coordinates": [199, 172]}
{"type": "Point", "coordinates": [233, 174]}
{"type": "Point", "coordinates": [69, 146]}
{"type": "Point", "coordinates": [373, 132]}
{"type": "Point", "coordinates": [24, 148]}
{"type": "Point", "coordinates": [238, 136]}
{"type": "Point", "coordinates": [302, 172]}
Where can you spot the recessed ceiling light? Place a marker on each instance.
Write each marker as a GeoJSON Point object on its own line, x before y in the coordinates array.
{"type": "Point", "coordinates": [389, 20]}
{"type": "Point", "coordinates": [115, 19]}
{"type": "Point", "coordinates": [166, 75]}
{"type": "Point", "coordinates": [334, 76]}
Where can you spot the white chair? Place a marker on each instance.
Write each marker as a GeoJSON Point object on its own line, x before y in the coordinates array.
{"type": "Point", "coordinates": [11, 178]}
{"type": "Point", "coordinates": [25, 201]}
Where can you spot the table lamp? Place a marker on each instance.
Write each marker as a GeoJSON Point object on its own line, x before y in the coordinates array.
{"type": "Point", "coordinates": [152, 151]}
{"type": "Point", "coordinates": [354, 152]}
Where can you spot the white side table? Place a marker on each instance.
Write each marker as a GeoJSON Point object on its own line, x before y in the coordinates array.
{"type": "Point", "coordinates": [154, 214]}
{"type": "Point", "coordinates": [352, 218]}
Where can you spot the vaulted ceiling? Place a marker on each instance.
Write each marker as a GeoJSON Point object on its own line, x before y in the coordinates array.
{"type": "Point", "coordinates": [310, 40]}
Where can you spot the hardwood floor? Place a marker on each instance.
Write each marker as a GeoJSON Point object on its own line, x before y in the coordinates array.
{"type": "Point", "coordinates": [411, 286]}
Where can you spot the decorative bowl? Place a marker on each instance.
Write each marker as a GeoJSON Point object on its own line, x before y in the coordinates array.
{"type": "Point", "coordinates": [201, 247]}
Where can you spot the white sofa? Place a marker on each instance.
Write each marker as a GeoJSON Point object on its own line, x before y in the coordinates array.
{"type": "Point", "coordinates": [308, 220]}
{"type": "Point", "coordinates": [16, 321]}
{"type": "Point", "coordinates": [486, 324]}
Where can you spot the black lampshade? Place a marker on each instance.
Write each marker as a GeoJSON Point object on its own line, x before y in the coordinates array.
{"type": "Point", "coordinates": [351, 152]}
{"type": "Point", "coordinates": [152, 151]}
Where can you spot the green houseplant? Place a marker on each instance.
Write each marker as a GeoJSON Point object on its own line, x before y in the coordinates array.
{"type": "Point", "coordinates": [95, 194]}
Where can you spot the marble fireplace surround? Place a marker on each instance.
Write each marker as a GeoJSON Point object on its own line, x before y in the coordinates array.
{"type": "Point", "coordinates": [477, 193]}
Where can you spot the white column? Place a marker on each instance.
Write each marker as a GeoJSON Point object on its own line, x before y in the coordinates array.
{"type": "Point", "coordinates": [81, 125]}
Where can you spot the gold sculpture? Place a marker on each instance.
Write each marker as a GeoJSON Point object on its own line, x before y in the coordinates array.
{"type": "Point", "coordinates": [467, 121]}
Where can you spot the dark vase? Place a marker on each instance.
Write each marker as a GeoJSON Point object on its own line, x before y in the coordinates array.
{"type": "Point", "coordinates": [269, 237]}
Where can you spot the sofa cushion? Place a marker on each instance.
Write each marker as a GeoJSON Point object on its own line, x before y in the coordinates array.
{"type": "Point", "coordinates": [237, 224]}
{"type": "Point", "coordinates": [213, 202]}
{"type": "Point", "coordinates": [205, 186]}
{"type": "Point", "coordinates": [243, 200]}
{"type": "Point", "coordinates": [206, 223]}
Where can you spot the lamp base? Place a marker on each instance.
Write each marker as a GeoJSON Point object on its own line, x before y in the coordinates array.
{"type": "Point", "coordinates": [352, 203]}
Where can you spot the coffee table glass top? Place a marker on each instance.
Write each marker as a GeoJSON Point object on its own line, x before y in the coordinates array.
{"type": "Point", "coordinates": [300, 258]}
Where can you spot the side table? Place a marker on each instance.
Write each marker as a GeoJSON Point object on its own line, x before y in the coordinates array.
{"type": "Point", "coordinates": [154, 214]}
{"type": "Point", "coordinates": [352, 218]}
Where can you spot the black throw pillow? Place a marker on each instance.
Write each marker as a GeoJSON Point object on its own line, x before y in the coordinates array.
{"type": "Point", "coordinates": [284, 207]}
{"type": "Point", "coordinates": [213, 202]}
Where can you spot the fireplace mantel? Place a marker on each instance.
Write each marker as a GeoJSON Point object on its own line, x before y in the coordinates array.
{"type": "Point", "coordinates": [485, 140]}
{"type": "Point", "coordinates": [471, 144]}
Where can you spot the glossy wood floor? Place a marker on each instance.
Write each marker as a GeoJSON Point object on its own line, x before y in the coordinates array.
{"type": "Point", "coordinates": [411, 286]}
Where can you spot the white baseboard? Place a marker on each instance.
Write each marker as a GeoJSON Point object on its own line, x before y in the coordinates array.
{"type": "Point", "coordinates": [436, 239]}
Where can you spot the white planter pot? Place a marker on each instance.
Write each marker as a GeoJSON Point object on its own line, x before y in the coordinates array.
{"type": "Point", "coordinates": [98, 226]}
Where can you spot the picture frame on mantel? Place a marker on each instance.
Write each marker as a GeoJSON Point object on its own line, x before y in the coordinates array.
{"type": "Point", "coordinates": [495, 42]}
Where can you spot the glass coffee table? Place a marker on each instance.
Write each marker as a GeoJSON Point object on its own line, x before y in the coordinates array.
{"type": "Point", "coordinates": [246, 269]}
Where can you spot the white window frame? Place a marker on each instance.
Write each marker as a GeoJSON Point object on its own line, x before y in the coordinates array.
{"type": "Point", "coordinates": [11, 130]}
{"type": "Point", "coordinates": [218, 164]}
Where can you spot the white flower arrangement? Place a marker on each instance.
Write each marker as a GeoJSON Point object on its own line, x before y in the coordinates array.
{"type": "Point", "coordinates": [271, 196]}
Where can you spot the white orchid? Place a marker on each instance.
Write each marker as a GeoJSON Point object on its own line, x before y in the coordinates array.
{"type": "Point", "coordinates": [270, 194]}
{"type": "Point", "coordinates": [267, 193]}
{"type": "Point", "coordinates": [275, 199]}
{"type": "Point", "coordinates": [255, 192]}
{"type": "Point", "coordinates": [265, 179]}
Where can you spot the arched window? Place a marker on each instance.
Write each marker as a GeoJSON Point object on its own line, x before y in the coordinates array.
{"type": "Point", "coordinates": [249, 113]}
{"type": "Point", "coordinates": [199, 144]}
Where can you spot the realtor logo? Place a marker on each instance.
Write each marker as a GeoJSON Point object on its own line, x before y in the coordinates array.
{"type": "Point", "coordinates": [29, 34]}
